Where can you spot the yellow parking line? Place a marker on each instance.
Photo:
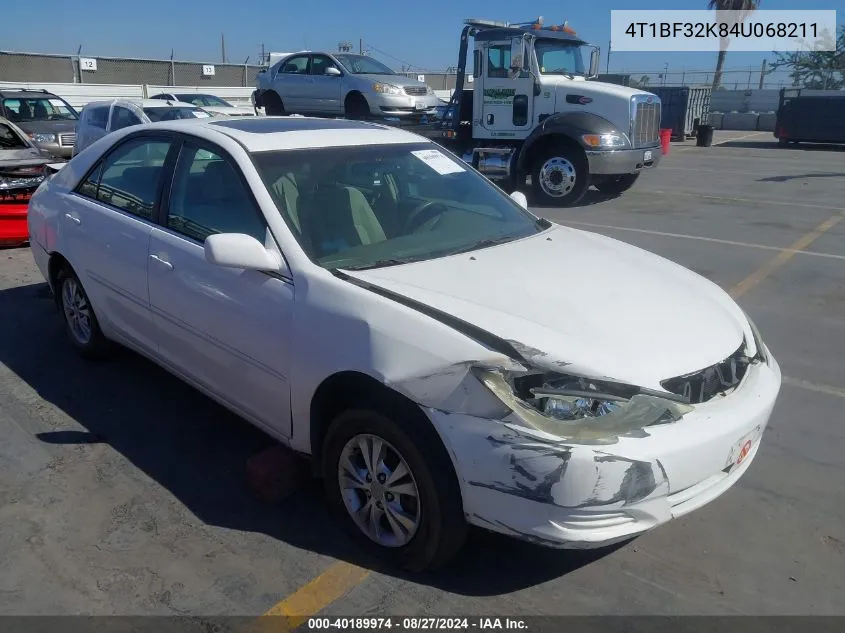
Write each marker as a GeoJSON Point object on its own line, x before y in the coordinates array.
{"type": "Point", "coordinates": [783, 257]}
{"type": "Point", "coordinates": [312, 598]}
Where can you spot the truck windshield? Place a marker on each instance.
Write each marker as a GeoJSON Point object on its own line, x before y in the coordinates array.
{"type": "Point", "coordinates": [367, 207]}
{"type": "Point", "coordinates": [363, 65]}
{"type": "Point", "coordinates": [559, 58]}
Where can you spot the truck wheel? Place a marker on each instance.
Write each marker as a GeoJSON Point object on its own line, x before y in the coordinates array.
{"type": "Point", "coordinates": [559, 177]}
{"type": "Point", "coordinates": [356, 107]}
{"type": "Point", "coordinates": [617, 184]}
{"type": "Point", "coordinates": [273, 105]}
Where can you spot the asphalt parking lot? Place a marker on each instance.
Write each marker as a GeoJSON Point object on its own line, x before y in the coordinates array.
{"type": "Point", "coordinates": [122, 490]}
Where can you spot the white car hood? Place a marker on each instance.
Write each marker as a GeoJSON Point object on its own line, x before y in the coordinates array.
{"type": "Point", "coordinates": [595, 305]}
{"type": "Point", "coordinates": [231, 111]}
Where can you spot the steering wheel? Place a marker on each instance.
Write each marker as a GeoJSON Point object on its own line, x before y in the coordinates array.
{"type": "Point", "coordinates": [423, 213]}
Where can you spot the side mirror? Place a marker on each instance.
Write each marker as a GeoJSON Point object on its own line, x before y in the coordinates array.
{"type": "Point", "coordinates": [237, 250]}
{"type": "Point", "coordinates": [595, 58]}
{"type": "Point", "coordinates": [520, 199]}
{"type": "Point", "coordinates": [519, 63]}
{"type": "Point", "coordinates": [331, 71]}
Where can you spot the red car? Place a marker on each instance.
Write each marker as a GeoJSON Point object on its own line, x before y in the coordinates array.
{"type": "Point", "coordinates": [23, 167]}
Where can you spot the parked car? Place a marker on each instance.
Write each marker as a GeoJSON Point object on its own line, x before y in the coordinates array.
{"type": "Point", "coordinates": [371, 301]}
{"type": "Point", "coordinates": [46, 118]}
{"type": "Point", "coordinates": [98, 118]}
{"type": "Point", "coordinates": [357, 86]}
{"type": "Point", "coordinates": [22, 169]}
{"type": "Point", "coordinates": [209, 103]}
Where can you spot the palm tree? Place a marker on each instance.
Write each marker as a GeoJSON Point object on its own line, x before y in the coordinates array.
{"type": "Point", "coordinates": [746, 7]}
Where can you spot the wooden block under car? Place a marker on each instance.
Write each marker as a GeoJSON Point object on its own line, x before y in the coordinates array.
{"type": "Point", "coordinates": [276, 473]}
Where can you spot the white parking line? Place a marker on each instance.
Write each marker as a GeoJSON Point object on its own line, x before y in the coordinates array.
{"type": "Point", "coordinates": [727, 140]}
{"type": "Point", "coordinates": [777, 203]}
{"type": "Point", "coordinates": [814, 386]}
{"type": "Point", "coordinates": [701, 238]}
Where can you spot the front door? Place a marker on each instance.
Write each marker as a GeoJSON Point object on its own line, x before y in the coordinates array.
{"type": "Point", "coordinates": [506, 102]}
{"type": "Point", "coordinates": [325, 89]}
{"type": "Point", "coordinates": [226, 328]}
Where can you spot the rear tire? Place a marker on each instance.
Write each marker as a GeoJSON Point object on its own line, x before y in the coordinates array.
{"type": "Point", "coordinates": [420, 527]}
{"type": "Point", "coordinates": [273, 105]}
{"type": "Point", "coordinates": [560, 177]}
{"type": "Point", "coordinates": [81, 324]}
{"type": "Point", "coordinates": [617, 184]}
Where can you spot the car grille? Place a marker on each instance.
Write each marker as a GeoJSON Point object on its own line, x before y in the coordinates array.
{"type": "Point", "coordinates": [416, 91]}
{"type": "Point", "coordinates": [645, 125]}
{"type": "Point", "coordinates": [67, 140]}
{"type": "Point", "coordinates": [702, 385]}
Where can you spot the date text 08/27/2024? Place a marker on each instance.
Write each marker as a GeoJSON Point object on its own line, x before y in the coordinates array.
{"type": "Point", "coordinates": [415, 624]}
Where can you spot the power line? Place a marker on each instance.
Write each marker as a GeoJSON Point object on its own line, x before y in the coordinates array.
{"type": "Point", "coordinates": [370, 47]}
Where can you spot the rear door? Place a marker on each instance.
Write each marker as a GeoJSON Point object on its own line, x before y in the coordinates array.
{"type": "Point", "coordinates": [293, 83]}
{"type": "Point", "coordinates": [105, 231]}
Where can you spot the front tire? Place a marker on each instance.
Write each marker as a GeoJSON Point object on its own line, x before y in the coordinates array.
{"type": "Point", "coordinates": [81, 324]}
{"type": "Point", "coordinates": [356, 107]}
{"type": "Point", "coordinates": [560, 177]}
{"type": "Point", "coordinates": [394, 487]}
{"type": "Point", "coordinates": [617, 184]}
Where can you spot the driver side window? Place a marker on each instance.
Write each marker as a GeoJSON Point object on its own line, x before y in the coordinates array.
{"type": "Point", "coordinates": [498, 61]}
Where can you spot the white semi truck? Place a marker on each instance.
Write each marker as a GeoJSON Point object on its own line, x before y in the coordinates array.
{"type": "Point", "coordinates": [527, 116]}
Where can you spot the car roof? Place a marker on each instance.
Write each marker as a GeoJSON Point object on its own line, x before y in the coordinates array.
{"type": "Point", "coordinates": [11, 93]}
{"type": "Point", "coordinates": [143, 103]}
{"type": "Point", "coordinates": [261, 134]}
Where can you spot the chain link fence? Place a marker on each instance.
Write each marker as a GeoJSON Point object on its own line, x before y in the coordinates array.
{"type": "Point", "coordinates": [749, 78]}
{"type": "Point", "coordinates": [32, 67]}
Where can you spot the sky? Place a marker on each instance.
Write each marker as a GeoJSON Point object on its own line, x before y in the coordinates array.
{"type": "Point", "coordinates": [421, 34]}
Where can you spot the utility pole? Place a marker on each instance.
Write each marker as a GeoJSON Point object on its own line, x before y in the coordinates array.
{"type": "Point", "coordinates": [607, 61]}
{"type": "Point", "coordinates": [360, 46]}
{"type": "Point", "coordinates": [763, 73]}
{"type": "Point", "coordinates": [223, 47]}
{"type": "Point", "coordinates": [263, 55]}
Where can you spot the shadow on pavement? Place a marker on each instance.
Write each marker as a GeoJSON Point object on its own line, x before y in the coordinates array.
{"type": "Point", "coordinates": [198, 451]}
{"type": "Point", "coordinates": [773, 144]}
{"type": "Point", "coordinates": [801, 177]}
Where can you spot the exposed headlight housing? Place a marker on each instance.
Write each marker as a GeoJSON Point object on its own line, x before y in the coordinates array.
{"type": "Point", "coordinates": [583, 409]}
{"type": "Point", "coordinates": [760, 348]}
{"type": "Point", "coordinates": [387, 89]}
{"type": "Point", "coordinates": [605, 141]}
{"type": "Point", "coordinates": [43, 137]}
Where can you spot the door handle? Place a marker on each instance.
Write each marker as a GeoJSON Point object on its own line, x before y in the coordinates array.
{"type": "Point", "coordinates": [73, 218]}
{"type": "Point", "coordinates": [161, 261]}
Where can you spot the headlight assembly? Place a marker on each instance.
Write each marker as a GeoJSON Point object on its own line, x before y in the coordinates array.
{"type": "Point", "coordinates": [43, 137]}
{"type": "Point", "coordinates": [605, 141]}
{"type": "Point", "coordinates": [387, 89]}
{"type": "Point", "coordinates": [760, 348]}
{"type": "Point", "coordinates": [573, 407]}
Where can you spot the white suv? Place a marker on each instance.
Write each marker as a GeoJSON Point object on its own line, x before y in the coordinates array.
{"type": "Point", "coordinates": [98, 118]}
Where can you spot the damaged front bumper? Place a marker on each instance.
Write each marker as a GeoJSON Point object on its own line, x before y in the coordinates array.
{"type": "Point", "coordinates": [570, 495]}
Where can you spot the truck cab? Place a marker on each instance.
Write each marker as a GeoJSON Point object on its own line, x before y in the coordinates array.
{"type": "Point", "coordinates": [535, 114]}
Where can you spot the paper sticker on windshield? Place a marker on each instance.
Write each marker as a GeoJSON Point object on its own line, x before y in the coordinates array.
{"type": "Point", "coordinates": [438, 161]}
{"type": "Point", "coordinates": [57, 103]}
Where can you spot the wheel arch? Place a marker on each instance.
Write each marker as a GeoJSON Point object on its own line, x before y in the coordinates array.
{"type": "Point", "coordinates": [349, 389]}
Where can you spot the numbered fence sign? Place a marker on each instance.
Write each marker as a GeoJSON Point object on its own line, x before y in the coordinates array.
{"type": "Point", "coordinates": [88, 63]}
{"type": "Point", "coordinates": [421, 78]}
{"type": "Point", "coordinates": [208, 70]}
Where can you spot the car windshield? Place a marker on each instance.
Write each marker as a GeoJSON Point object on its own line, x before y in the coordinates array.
{"type": "Point", "coordinates": [203, 100]}
{"type": "Point", "coordinates": [559, 58]}
{"type": "Point", "coordinates": [366, 207]}
{"type": "Point", "coordinates": [38, 109]}
{"type": "Point", "coordinates": [363, 65]}
{"type": "Point", "coordinates": [173, 113]}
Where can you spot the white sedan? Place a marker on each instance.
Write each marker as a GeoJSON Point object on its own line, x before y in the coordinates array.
{"type": "Point", "coordinates": [444, 356]}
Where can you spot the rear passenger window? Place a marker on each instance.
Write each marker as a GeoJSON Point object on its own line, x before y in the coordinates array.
{"type": "Point", "coordinates": [97, 116]}
{"type": "Point", "coordinates": [129, 177]}
{"type": "Point", "coordinates": [209, 197]}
